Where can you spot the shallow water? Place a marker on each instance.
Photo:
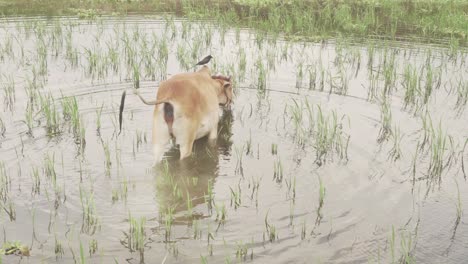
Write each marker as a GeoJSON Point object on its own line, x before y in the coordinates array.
{"type": "Point", "coordinates": [368, 191]}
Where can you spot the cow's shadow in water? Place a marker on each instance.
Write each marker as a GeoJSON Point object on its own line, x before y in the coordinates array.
{"type": "Point", "coordinates": [184, 184]}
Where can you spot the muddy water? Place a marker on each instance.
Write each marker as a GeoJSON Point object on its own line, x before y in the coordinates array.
{"type": "Point", "coordinates": [255, 195]}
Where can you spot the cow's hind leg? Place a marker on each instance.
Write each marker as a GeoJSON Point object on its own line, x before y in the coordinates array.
{"type": "Point", "coordinates": [185, 136]}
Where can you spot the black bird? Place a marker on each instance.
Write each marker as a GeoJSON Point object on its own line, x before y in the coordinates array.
{"type": "Point", "coordinates": [204, 61]}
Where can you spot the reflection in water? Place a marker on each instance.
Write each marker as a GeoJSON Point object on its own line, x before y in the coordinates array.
{"type": "Point", "coordinates": [183, 184]}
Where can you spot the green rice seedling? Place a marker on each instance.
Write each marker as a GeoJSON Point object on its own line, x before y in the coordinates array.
{"type": "Point", "coordinates": [51, 115]}
{"type": "Point", "coordinates": [260, 38]}
{"type": "Point", "coordinates": [162, 50]}
{"type": "Point", "coordinates": [92, 61]}
{"type": "Point", "coordinates": [150, 63]}
{"type": "Point", "coordinates": [5, 183]}
{"type": "Point", "coordinates": [270, 230]}
{"type": "Point", "coordinates": [322, 76]}
{"type": "Point", "coordinates": [209, 196]}
{"type": "Point", "coordinates": [392, 244]}
{"type": "Point", "coordinates": [340, 83]}
{"type": "Point", "coordinates": [7, 48]}
{"type": "Point", "coordinates": [428, 85]}
{"type": "Point", "coordinates": [9, 209]}
{"type": "Point", "coordinates": [296, 111]}
{"type": "Point", "coordinates": [183, 57]}
{"type": "Point", "coordinates": [221, 214]}
{"type": "Point", "coordinates": [29, 118]}
{"type": "Point", "coordinates": [107, 162]}
{"type": "Point", "coordinates": [329, 136]}
{"type": "Point", "coordinates": [68, 41]}
{"type": "Point", "coordinates": [242, 63]}
{"type": "Point", "coordinates": [278, 171]}
{"type": "Point", "coordinates": [93, 247]}
{"type": "Point", "coordinates": [197, 233]}
{"type": "Point", "coordinates": [90, 222]}
{"type": "Point", "coordinates": [203, 259]}
{"type": "Point", "coordinates": [2, 128]}
{"type": "Point", "coordinates": [389, 72]}
{"type": "Point", "coordinates": [36, 181]}
{"type": "Point", "coordinates": [113, 57]}
{"type": "Point", "coordinates": [8, 85]}
{"type": "Point", "coordinates": [462, 159]}
{"type": "Point", "coordinates": [49, 168]}
{"type": "Point", "coordinates": [248, 144]}
{"type": "Point", "coordinates": [58, 248]}
{"type": "Point", "coordinates": [427, 130]}
{"type": "Point", "coordinates": [14, 248]}
{"type": "Point", "coordinates": [168, 222]}
{"type": "Point", "coordinates": [82, 254]}
{"type": "Point", "coordinates": [137, 236]}
{"type": "Point", "coordinates": [324, 131]}
{"type": "Point", "coordinates": [385, 122]}
{"type": "Point", "coordinates": [312, 76]}
{"type": "Point", "coordinates": [239, 153]}
{"type": "Point", "coordinates": [322, 192]}
{"type": "Point", "coordinates": [413, 166]}
{"type": "Point", "coordinates": [395, 153]}
{"type": "Point", "coordinates": [186, 27]}
{"type": "Point", "coordinates": [140, 138]}
{"type": "Point", "coordinates": [292, 205]}
{"type": "Point", "coordinates": [195, 49]}
{"type": "Point", "coordinates": [262, 76]}
{"type": "Point", "coordinates": [406, 245]}
{"type": "Point", "coordinates": [71, 113]}
{"type": "Point", "coordinates": [170, 26]}
{"type": "Point", "coordinates": [80, 138]}
{"type": "Point", "coordinates": [285, 52]}
{"type": "Point", "coordinates": [271, 59]}
{"type": "Point", "coordinates": [274, 148]}
{"type": "Point", "coordinates": [299, 74]}
{"type": "Point", "coordinates": [42, 48]}
{"type": "Point", "coordinates": [136, 75]}
{"type": "Point", "coordinates": [303, 229]}
{"type": "Point", "coordinates": [411, 83]}
{"type": "Point", "coordinates": [98, 118]}
{"type": "Point", "coordinates": [458, 204]}
{"type": "Point", "coordinates": [462, 95]}
{"type": "Point", "coordinates": [34, 83]}
{"type": "Point", "coordinates": [454, 47]}
{"type": "Point", "coordinates": [189, 206]}
{"type": "Point", "coordinates": [373, 84]}
{"type": "Point", "coordinates": [291, 187]}
{"type": "Point", "coordinates": [437, 153]}
{"type": "Point", "coordinates": [235, 198]}
{"type": "Point", "coordinates": [56, 38]}
{"type": "Point", "coordinates": [242, 251]}
{"type": "Point", "coordinates": [115, 195]}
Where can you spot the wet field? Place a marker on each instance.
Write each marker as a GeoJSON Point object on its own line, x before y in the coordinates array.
{"type": "Point", "coordinates": [338, 151]}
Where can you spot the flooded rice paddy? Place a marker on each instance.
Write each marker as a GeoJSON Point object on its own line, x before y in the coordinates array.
{"type": "Point", "coordinates": [340, 151]}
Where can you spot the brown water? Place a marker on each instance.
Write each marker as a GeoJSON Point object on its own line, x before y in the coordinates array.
{"type": "Point", "coordinates": [368, 191]}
